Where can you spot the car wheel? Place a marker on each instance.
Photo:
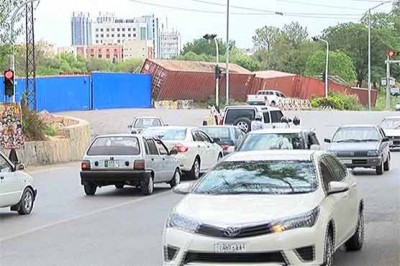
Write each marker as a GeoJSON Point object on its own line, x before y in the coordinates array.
{"type": "Point", "coordinates": [356, 241]}
{"type": "Point", "coordinates": [328, 251]}
{"type": "Point", "coordinates": [119, 186]}
{"type": "Point", "coordinates": [379, 169]}
{"type": "Point", "coordinates": [26, 203]}
{"type": "Point", "coordinates": [195, 171]}
{"type": "Point", "coordinates": [273, 103]}
{"type": "Point", "coordinates": [176, 179]}
{"type": "Point", "coordinates": [243, 123]}
{"type": "Point", "coordinates": [90, 189]}
{"type": "Point", "coordinates": [147, 187]}
{"type": "Point", "coordinates": [386, 166]}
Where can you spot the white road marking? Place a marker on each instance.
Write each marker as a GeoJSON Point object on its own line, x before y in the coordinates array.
{"type": "Point", "coordinates": [67, 220]}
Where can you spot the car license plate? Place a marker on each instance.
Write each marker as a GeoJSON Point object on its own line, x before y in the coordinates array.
{"type": "Point", "coordinates": [346, 161]}
{"type": "Point", "coordinates": [230, 247]}
{"type": "Point", "coordinates": [111, 164]}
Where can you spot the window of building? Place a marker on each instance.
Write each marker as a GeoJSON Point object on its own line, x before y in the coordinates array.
{"type": "Point", "coordinates": [129, 35]}
{"type": "Point", "coordinates": [118, 35]}
{"type": "Point", "coordinates": [123, 29]}
{"type": "Point", "coordinates": [102, 35]}
{"type": "Point", "coordinates": [119, 41]}
{"type": "Point", "coordinates": [97, 30]}
{"type": "Point", "coordinates": [97, 41]}
{"type": "Point", "coordinates": [129, 29]}
{"type": "Point", "coordinates": [123, 35]}
{"type": "Point", "coordinates": [112, 35]}
{"type": "Point", "coordinates": [108, 35]}
{"type": "Point", "coordinates": [118, 29]}
{"type": "Point", "coordinates": [101, 29]}
{"type": "Point", "coordinates": [108, 56]}
{"type": "Point", "coordinates": [112, 29]}
{"type": "Point", "coordinates": [100, 56]}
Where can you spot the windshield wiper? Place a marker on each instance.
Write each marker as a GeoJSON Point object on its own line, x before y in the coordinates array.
{"type": "Point", "coordinates": [370, 140]}
{"type": "Point", "coordinates": [348, 140]}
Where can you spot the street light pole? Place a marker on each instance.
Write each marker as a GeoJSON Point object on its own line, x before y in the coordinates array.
{"type": "Point", "coordinates": [326, 63]}
{"type": "Point", "coordinates": [217, 76]}
{"type": "Point", "coordinates": [227, 54]}
{"type": "Point", "coordinates": [12, 63]}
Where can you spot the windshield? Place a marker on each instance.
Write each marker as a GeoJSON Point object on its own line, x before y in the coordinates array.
{"type": "Point", "coordinates": [166, 134]}
{"type": "Point", "coordinates": [356, 134]}
{"type": "Point", "coordinates": [391, 123]}
{"type": "Point", "coordinates": [217, 132]}
{"type": "Point", "coordinates": [115, 146]}
{"type": "Point", "coordinates": [272, 141]}
{"type": "Point", "coordinates": [147, 122]}
{"type": "Point", "coordinates": [259, 177]}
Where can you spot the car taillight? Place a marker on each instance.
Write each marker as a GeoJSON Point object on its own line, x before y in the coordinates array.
{"type": "Point", "coordinates": [181, 148]}
{"type": "Point", "coordinates": [139, 165]}
{"type": "Point", "coordinates": [85, 165]}
{"type": "Point", "coordinates": [225, 147]}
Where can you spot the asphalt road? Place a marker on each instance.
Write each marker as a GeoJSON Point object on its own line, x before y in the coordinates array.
{"type": "Point", "coordinates": [122, 227]}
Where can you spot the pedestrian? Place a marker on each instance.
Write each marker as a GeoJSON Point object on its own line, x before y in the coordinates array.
{"type": "Point", "coordinates": [257, 123]}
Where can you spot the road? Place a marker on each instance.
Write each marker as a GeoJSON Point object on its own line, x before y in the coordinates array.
{"type": "Point", "coordinates": [122, 227]}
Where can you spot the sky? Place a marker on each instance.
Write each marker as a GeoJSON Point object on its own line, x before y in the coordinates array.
{"type": "Point", "coordinates": [194, 18]}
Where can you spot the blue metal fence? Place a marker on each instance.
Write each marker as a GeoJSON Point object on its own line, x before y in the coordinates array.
{"type": "Point", "coordinates": [88, 92]}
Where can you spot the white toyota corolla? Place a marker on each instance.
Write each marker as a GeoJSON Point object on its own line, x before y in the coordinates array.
{"type": "Point", "coordinates": [269, 208]}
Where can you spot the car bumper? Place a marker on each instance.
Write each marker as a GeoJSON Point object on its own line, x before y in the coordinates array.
{"type": "Point", "coordinates": [271, 249]}
{"type": "Point", "coordinates": [114, 177]}
{"type": "Point", "coordinates": [364, 162]}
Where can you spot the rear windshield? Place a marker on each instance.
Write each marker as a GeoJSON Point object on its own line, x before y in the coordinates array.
{"type": "Point", "coordinates": [217, 132]}
{"type": "Point", "coordinates": [233, 114]}
{"type": "Point", "coordinates": [272, 141]}
{"type": "Point", "coordinates": [147, 122]}
{"type": "Point", "coordinates": [166, 133]}
{"type": "Point", "coordinates": [115, 146]}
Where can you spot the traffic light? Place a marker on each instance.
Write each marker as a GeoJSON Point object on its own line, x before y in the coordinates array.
{"type": "Point", "coordinates": [9, 83]}
{"type": "Point", "coordinates": [391, 53]}
{"type": "Point", "coordinates": [218, 72]}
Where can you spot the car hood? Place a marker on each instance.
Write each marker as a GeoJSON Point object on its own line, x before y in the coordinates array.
{"type": "Point", "coordinates": [222, 210]}
{"type": "Point", "coordinates": [354, 146]}
{"type": "Point", "coordinates": [392, 132]}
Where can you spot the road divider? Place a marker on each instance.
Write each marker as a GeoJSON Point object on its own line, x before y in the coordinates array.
{"type": "Point", "coordinates": [179, 104]}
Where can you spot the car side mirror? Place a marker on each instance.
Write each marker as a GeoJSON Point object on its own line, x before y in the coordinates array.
{"type": "Point", "coordinates": [20, 167]}
{"type": "Point", "coordinates": [184, 188]}
{"type": "Point", "coordinates": [337, 187]}
{"type": "Point", "coordinates": [173, 152]}
{"type": "Point", "coordinates": [327, 141]}
{"type": "Point", "coordinates": [386, 139]}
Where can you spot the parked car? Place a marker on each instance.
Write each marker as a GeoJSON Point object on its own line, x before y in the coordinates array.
{"type": "Point", "coordinates": [194, 149]}
{"type": "Point", "coordinates": [229, 136]}
{"type": "Point", "coordinates": [280, 138]}
{"type": "Point", "coordinates": [266, 97]}
{"type": "Point", "coordinates": [123, 159]}
{"type": "Point", "coordinates": [363, 146]}
{"type": "Point", "coordinates": [391, 127]}
{"type": "Point", "coordinates": [397, 107]}
{"type": "Point", "coordinates": [395, 92]}
{"type": "Point", "coordinates": [242, 115]}
{"type": "Point", "coordinates": [267, 207]}
{"type": "Point", "coordinates": [17, 189]}
{"type": "Point", "coordinates": [140, 123]}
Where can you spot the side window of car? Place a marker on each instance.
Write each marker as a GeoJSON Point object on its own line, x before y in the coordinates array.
{"type": "Point", "coordinates": [161, 148]}
{"type": "Point", "coordinates": [326, 175]}
{"type": "Point", "coordinates": [267, 120]}
{"type": "Point", "coordinates": [152, 147]}
{"type": "Point", "coordinates": [312, 139]}
{"type": "Point", "coordinates": [196, 136]}
{"type": "Point", "coordinates": [204, 136]}
{"type": "Point", "coordinates": [276, 116]}
{"type": "Point", "coordinates": [5, 167]}
{"type": "Point", "coordinates": [338, 169]}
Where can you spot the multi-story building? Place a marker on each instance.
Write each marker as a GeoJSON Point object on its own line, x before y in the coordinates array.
{"type": "Point", "coordinates": [81, 28]}
{"type": "Point", "coordinates": [170, 44]}
{"type": "Point", "coordinates": [112, 53]}
{"type": "Point", "coordinates": [138, 49]}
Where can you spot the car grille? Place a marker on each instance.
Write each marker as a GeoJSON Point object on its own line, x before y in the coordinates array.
{"type": "Point", "coordinates": [306, 253]}
{"type": "Point", "coordinates": [170, 253]}
{"type": "Point", "coordinates": [359, 162]}
{"type": "Point", "coordinates": [268, 257]}
{"type": "Point", "coordinates": [352, 153]}
{"type": "Point", "coordinates": [246, 231]}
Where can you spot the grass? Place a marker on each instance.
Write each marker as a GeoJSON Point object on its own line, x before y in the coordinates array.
{"type": "Point", "coordinates": [381, 101]}
{"type": "Point", "coordinates": [50, 130]}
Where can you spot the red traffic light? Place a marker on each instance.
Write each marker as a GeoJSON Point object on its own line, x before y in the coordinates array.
{"type": "Point", "coordinates": [9, 74]}
{"type": "Point", "coordinates": [390, 53]}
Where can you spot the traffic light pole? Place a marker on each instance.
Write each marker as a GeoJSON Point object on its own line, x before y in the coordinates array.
{"type": "Point", "coordinates": [388, 61]}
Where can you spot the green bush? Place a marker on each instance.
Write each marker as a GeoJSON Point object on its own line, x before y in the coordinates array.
{"type": "Point", "coordinates": [50, 130]}
{"type": "Point", "coordinates": [338, 101]}
{"type": "Point", "coordinates": [32, 126]}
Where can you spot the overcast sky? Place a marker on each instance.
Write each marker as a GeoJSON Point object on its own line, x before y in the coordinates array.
{"type": "Point", "coordinates": [53, 16]}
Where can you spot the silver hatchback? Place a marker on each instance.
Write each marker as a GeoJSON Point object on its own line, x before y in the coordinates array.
{"type": "Point", "coordinates": [126, 159]}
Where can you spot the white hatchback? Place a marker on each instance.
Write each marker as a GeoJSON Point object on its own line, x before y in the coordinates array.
{"type": "Point", "coordinates": [17, 189]}
{"type": "Point", "coordinates": [269, 208]}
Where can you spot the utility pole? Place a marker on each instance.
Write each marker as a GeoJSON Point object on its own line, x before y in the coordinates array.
{"type": "Point", "coordinates": [227, 53]}
{"type": "Point", "coordinates": [388, 83]}
{"type": "Point", "coordinates": [369, 60]}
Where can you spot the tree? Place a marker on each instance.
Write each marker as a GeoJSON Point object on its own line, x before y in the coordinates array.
{"type": "Point", "coordinates": [265, 37]}
{"type": "Point", "coordinates": [6, 8]}
{"type": "Point", "coordinates": [98, 64]}
{"type": "Point", "coordinates": [203, 46]}
{"type": "Point", "coordinates": [340, 65]}
{"type": "Point", "coordinates": [130, 65]}
{"type": "Point", "coordinates": [295, 34]}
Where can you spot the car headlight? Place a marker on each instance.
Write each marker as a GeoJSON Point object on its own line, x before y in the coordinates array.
{"type": "Point", "coordinates": [304, 220]}
{"type": "Point", "coordinates": [372, 153]}
{"type": "Point", "coordinates": [183, 223]}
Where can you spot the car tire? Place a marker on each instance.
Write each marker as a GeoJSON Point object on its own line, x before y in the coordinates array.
{"type": "Point", "coordinates": [90, 189]}
{"type": "Point", "coordinates": [355, 243]}
{"type": "Point", "coordinates": [243, 123]}
{"type": "Point", "coordinates": [176, 179]}
{"type": "Point", "coordinates": [328, 250]}
{"type": "Point", "coordinates": [119, 186]}
{"type": "Point", "coordinates": [195, 171]}
{"type": "Point", "coordinates": [386, 166]}
{"type": "Point", "coordinates": [26, 202]}
{"type": "Point", "coordinates": [147, 187]}
{"type": "Point", "coordinates": [379, 169]}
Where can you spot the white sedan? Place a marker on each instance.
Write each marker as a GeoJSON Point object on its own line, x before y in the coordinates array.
{"type": "Point", "coordinates": [267, 207]}
{"type": "Point", "coordinates": [195, 150]}
{"type": "Point", "coordinates": [17, 189]}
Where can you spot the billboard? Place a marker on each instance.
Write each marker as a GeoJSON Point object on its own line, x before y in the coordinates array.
{"type": "Point", "coordinates": [11, 136]}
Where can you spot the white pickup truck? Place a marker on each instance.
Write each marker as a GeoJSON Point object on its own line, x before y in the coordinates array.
{"type": "Point", "coordinates": [266, 97]}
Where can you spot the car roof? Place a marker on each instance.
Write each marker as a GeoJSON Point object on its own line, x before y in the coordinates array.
{"type": "Point", "coordinates": [358, 125]}
{"type": "Point", "coordinates": [257, 107]}
{"type": "Point", "coordinates": [139, 117]}
{"type": "Point", "coordinates": [171, 127]}
{"type": "Point", "coordinates": [274, 155]}
{"type": "Point", "coordinates": [280, 130]}
{"type": "Point", "coordinates": [218, 126]}
{"type": "Point", "coordinates": [117, 135]}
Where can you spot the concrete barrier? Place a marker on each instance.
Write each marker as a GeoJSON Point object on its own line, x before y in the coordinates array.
{"type": "Point", "coordinates": [180, 104]}
{"type": "Point", "coordinates": [292, 104]}
{"type": "Point", "coordinates": [70, 145]}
